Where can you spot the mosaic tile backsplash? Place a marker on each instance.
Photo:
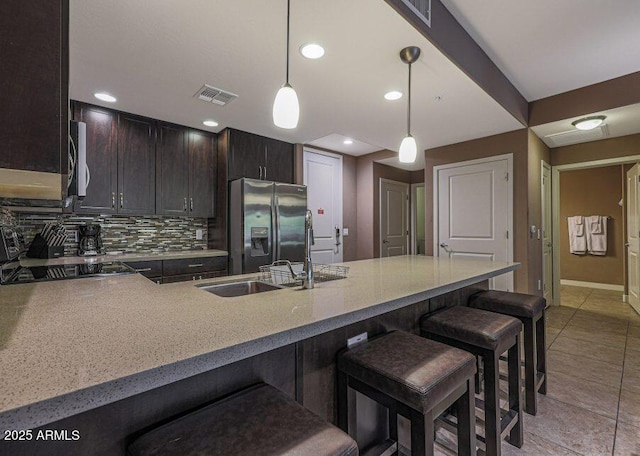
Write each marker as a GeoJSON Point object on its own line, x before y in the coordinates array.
{"type": "Point", "coordinates": [119, 233]}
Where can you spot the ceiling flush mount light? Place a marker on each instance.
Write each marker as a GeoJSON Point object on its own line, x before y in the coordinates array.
{"type": "Point", "coordinates": [210, 123]}
{"type": "Point", "coordinates": [393, 95]}
{"type": "Point", "coordinates": [348, 141]}
{"type": "Point", "coordinates": [312, 51]}
{"type": "Point", "coordinates": [588, 123]}
{"type": "Point", "coordinates": [408, 148]}
{"type": "Point", "coordinates": [105, 97]}
{"type": "Point", "coordinates": [286, 109]}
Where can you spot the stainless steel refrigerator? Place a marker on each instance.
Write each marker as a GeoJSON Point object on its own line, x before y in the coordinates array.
{"type": "Point", "coordinates": [266, 221]}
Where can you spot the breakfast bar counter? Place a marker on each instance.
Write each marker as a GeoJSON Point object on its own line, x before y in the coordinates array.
{"type": "Point", "coordinates": [75, 345]}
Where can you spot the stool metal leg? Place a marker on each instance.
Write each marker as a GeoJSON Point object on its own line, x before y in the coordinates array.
{"type": "Point", "coordinates": [343, 401]}
{"type": "Point", "coordinates": [466, 413]}
{"type": "Point", "coordinates": [393, 423]}
{"type": "Point", "coordinates": [542, 351]}
{"type": "Point", "coordinates": [530, 366]}
{"type": "Point", "coordinates": [516, 436]}
{"type": "Point", "coordinates": [422, 431]}
{"type": "Point", "coordinates": [492, 403]}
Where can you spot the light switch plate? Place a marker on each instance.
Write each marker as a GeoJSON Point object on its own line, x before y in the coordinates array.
{"type": "Point", "coordinates": [199, 235]}
{"type": "Point", "coordinates": [357, 339]}
{"type": "Point", "coordinates": [345, 231]}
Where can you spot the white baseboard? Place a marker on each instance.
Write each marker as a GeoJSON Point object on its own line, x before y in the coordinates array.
{"type": "Point", "coordinates": [599, 286]}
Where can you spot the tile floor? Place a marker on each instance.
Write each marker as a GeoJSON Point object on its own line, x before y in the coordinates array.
{"type": "Point", "coordinates": [592, 406]}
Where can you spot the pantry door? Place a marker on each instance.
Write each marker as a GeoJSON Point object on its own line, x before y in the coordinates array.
{"type": "Point", "coordinates": [473, 207]}
{"type": "Point", "coordinates": [322, 174]}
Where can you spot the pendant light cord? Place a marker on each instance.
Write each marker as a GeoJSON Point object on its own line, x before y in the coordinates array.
{"type": "Point", "coordinates": [288, 12]}
{"type": "Point", "coordinates": [409, 105]}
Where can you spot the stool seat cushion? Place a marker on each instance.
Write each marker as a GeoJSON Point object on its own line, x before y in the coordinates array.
{"type": "Point", "coordinates": [508, 303]}
{"type": "Point", "coordinates": [475, 327]}
{"type": "Point", "coordinates": [259, 420]}
{"type": "Point", "coordinates": [409, 368]}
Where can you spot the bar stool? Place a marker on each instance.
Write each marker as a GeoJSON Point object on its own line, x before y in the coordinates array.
{"type": "Point", "coordinates": [415, 377]}
{"type": "Point", "coordinates": [530, 310]}
{"type": "Point", "coordinates": [259, 420]}
{"type": "Point", "coordinates": [488, 335]}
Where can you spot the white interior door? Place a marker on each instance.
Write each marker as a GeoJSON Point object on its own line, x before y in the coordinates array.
{"type": "Point", "coordinates": [547, 230]}
{"type": "Point", "coordinates": [394, 218]}
{"type": "Point", "coordinates": [633, 237]}
{"type": "Point", "coordinates": [323, 178]}
{"type": "Point", "coordinates": [473, 218]}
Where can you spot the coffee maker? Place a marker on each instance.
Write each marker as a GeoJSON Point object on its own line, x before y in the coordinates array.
{"type": "Point", "coordinates": [90, 240]}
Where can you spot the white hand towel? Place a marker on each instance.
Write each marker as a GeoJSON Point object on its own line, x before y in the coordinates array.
{"type": "Point", "coordinates": [577, 239]}
{"type": "Point", "coordinates": [596, 234]}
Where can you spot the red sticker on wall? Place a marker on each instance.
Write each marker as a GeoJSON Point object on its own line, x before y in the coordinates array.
{"type": "Point", "coordinates": [320, 211]}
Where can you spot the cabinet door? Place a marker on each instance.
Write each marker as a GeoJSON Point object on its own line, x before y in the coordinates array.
{"type": "Point", "coordinates": [202, 182]}
{"type": "Point", "coordinates": [279, 163]}
{"type": "Point", "coordinates": [172, 170]}
{"type": "Point", "coordinates": [102, 159]}
{"type": "Point", "coordinates": [246, 155]}
{"type": "Point", "coordinates": [34, 85]}
{"type": "Point", "coordinates": [136, 165]}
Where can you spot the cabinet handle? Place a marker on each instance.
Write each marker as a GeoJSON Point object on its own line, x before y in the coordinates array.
{"type": "Point", "coordinates": [113, 200]}
{"type": "Point", "coordinates": [196, 265]}
{"type": "Point", "coordinates": [265, 173]}
{"type": "Point", "coordinates": [185, 204]}
{"type": "Point", "coordinates": [143, 270]}
{"type": "Point", "coordinates": [260, 168]}
{"type": "Point", "coordinates": [121, 200]}
{"type": "Point", "coordinates": [191, 203]}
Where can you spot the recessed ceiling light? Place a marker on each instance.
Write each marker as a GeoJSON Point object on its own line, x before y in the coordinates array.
{"type": "Point", "coordinates": [312, 51]}
{"type": "Point", "coordinates": [348, 141]}
{"type": "Point", "coordinates": [210, 123]}
{"type": "Point", "coordinates": [393, 95]}
{"type": "Point", "coordinates": [588, 123]}
{"type": "Point", "coordinates": [105, 97]}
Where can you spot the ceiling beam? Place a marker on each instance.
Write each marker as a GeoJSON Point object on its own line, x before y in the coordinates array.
{"type": "Point", "coordinates": [611, 94]}
{"type": "Point", "coordinates": [446, 34]}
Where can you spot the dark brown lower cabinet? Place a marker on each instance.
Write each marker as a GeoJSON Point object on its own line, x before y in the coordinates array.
{"type": "Point", "coordinates": [181, 270]}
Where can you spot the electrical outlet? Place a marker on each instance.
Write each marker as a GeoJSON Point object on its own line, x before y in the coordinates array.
{"type": "Point", "coordinates": [357, 339]}
{"type": "Point", "coordinates": [199, 235]}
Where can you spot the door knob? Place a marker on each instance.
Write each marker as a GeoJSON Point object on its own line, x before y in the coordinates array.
{"type": "Point", "coordinates": [385, 241]}
{"type": "Point", "coordinates": [626, 244]}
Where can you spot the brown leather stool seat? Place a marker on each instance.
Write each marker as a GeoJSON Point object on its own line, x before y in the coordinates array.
{"type": "Point", "coordinates": [530, 310]}
{"type": "Point", "coordinates": [259, 420]}
{"type": "Point", "coordinates": [487, 335]}
{"type": "Point", "coordinates": [416, 378]}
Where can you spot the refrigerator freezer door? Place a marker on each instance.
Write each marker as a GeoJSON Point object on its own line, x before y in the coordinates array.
{"type": "Point", "coordinates": [251, 222]}
{"type": "Point", "coordinates": [290, 208]}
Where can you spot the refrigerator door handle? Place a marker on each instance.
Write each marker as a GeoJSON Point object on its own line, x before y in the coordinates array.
{"type": "Point", "coordinates": [276, 255]}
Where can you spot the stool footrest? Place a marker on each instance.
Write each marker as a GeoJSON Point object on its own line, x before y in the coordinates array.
{"type": "Point", "coordinates": [540, 376]}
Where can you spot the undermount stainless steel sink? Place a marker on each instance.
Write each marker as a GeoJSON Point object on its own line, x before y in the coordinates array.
{"type": "Point", "coordinates": [240, 288]}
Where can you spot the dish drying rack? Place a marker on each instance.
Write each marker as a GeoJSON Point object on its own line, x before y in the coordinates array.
{"type": "Point", "coordinates": [287, 274]}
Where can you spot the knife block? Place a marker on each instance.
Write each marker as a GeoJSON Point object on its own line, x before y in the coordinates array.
{"type": "Point", "coordinates": [40, 249]}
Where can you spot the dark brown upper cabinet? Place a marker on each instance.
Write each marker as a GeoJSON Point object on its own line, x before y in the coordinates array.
{"type": "Point", "coordinates": [172, 171]}
{"type": "Point", "coordinates": [34, 75]}
{"type": "Point", "coordinates": [186, 172]}
{"type": "Point", "coordinates": [257, 157]}
{"type": "Point", "coordinates": [202, 173]}
{"type": "Point", "coordinates": [136, 165]}
{"type": "Point", "coordinates": [102, 159]}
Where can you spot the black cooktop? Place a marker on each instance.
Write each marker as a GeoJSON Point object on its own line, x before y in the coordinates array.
{"type": "Point", "coordinates": [14, 274]}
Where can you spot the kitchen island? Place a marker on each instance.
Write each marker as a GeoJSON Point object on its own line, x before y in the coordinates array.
{"type": "Point", "coordinates": [72, 347]}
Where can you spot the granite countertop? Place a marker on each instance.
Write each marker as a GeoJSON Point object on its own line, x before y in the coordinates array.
{"type": "Point", "coordinates": [72, 345]}
{"type": "Point", "coordinates": [141, 256]}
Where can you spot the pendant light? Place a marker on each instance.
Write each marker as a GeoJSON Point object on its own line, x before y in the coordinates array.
{"type": "Point", "coordinates": [408, 148]}
{"type": "Point", "coordinates": [286, 109]}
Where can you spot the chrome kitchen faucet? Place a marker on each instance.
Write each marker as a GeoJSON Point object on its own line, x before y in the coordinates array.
{"type": "Point", "coordinates": [307, 281]}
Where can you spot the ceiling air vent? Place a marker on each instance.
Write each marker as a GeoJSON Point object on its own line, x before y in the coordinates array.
{"type": "Point", "coordinates": [215, 95]}
{"type": "Point", "coordinates": [575, 136]}
{"type": "Point", "coordinates": [422, 8]}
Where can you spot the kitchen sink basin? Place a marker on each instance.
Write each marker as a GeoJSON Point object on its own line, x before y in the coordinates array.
{"type": "Point", "coordinates": [242, 288]}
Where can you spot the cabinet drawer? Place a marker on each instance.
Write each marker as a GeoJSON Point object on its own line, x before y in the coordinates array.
{"type": "Point", "coordinates": [190, 277]}
{"type": "Point", "coordinates": [149, 269]}
{"type": "Point", "coordinates": [193, 265]}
